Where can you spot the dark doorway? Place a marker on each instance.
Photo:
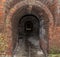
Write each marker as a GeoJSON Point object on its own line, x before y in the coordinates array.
{"type": "Point", "coordinates": [30, 32]}
{"type": "Point", "coordinates": [28, 27]}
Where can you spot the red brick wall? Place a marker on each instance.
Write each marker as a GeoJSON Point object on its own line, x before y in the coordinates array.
{"type": "Point", "coordinates": [55, 41]}
{"type": "Point", "coordinates": [1, 16]}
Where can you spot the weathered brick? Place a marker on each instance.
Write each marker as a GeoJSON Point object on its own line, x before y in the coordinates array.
{"type": "Point", "coordinates": [52, 6]}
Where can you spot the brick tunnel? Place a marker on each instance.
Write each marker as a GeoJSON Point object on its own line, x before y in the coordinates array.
{"type": "Point", "coordinates": [31, 29]}
{"type": "Point", "coordinates": [27, 31]}
{"type": "Point", "coordinates": [28, 28]}
{"type": "Point", "coordinates": [29, 23]}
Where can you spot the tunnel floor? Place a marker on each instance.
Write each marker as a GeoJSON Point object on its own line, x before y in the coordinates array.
{"type": "Point", "coordinates": [27, 50]}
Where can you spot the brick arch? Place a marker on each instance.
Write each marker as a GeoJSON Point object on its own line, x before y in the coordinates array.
{"type": "Point", "coordinates": [19, 5]}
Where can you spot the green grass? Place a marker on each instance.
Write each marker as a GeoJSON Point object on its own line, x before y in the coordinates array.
{"type": "Point", "coordinates": [54, 55]}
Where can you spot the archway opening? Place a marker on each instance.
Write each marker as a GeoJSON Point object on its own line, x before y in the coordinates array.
{"type": "Point", "coordinates": [21, 8]}
{"type": "Point", "coordinates": [30, 30]}
{"type": "Point", "coordinates": [32, 27]}
{"type": "Point", "coordinates": [28, 34]}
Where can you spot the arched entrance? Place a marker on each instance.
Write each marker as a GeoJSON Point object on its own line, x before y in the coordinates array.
{"type": "Point", "coordinates": [28, 31]}
{"type": "Point", "coordinates": [43, 14]}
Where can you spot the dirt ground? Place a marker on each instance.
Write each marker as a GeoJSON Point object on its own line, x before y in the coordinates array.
{"type": "Point", "coordinates": [22, 50]}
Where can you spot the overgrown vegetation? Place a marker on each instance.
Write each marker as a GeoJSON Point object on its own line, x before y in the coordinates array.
{"type": "Point", "coordinates": [54, 50]}
{"type": "Point", "coordinates": [54, 55]}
